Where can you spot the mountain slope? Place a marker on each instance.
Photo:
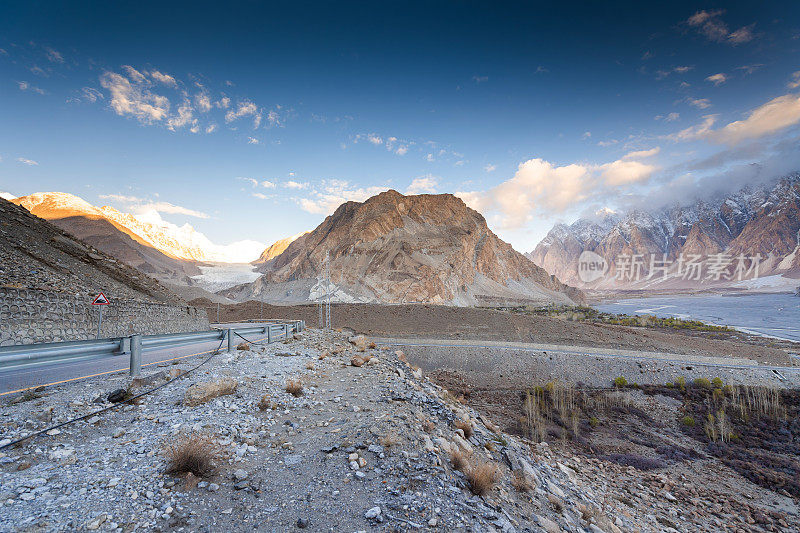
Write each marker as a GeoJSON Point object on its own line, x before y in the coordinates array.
{"type": "Point", "coordinates": [395, 248]}
{"type": "Point", "coordinates": [764, 220]}
{"type": "Point", "coordinates": [101, 228]}
{"type": "Point", "coordinates": [277, 248]}
{"type": "Point", "coordinates": [35, 254]}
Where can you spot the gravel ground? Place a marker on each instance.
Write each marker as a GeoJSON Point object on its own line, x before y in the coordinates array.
{"type": "Point", "coordinates": [365, 448]}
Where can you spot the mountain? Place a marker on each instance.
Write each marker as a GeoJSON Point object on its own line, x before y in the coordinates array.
{"type": "Point", "coordinates": [277, 248]}
{"type": "Point", "coordinates": [394, 248]}
{"type": "Point", "coordinates": [179, 242]}
{"type": "Point", "coordinates": [761, 221]}
{"type": "Point", "coordinates": [117, 234]}
{"type": "Point", "coordinates": [35, 254]}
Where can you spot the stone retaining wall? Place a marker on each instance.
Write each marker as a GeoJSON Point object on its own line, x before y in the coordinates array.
{"type": "Point", "coordinates": [31, 316]}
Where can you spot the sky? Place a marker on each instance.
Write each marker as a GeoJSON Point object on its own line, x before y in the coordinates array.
{"type": "Point", "coordinates": [252, 121]}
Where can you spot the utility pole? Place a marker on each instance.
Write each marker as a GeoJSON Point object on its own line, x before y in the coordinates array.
{"type": "Point", "coordinates": [217, 312]}
{"type": "Point", "coordinates": [327, 292]}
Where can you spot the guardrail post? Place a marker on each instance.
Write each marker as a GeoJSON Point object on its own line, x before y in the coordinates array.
{"type": "Point", "coordinates": [269, 330]}
{"type": "Point", "coordinates": [136, 355]}
{"type": "Point", "coordinates": [286, 331]}
{"type": "Point", "coordinates": [230, 340]}
{"type": "Point", "coordinates": [124, 345]}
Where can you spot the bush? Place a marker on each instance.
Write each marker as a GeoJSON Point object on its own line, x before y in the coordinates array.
{"type": "Point", "coordinates": [294, 387]}
{"type": "Point", "coordinates": [620, 382]}
{"type": "Point", "coordinates": [482, 478]}
{"type": "Point", "coordinates": [191, 454]}
{"type": "Point", "coordinates": [688, 421]}
{"type": "Point", "coordinates": [718, 384]}
{"type": "Point", "coordinates": [681, 383]}
{"type": "Point", "coordinates": [702, 383]}
{"type": "Point", "coordinates": [458, 459]}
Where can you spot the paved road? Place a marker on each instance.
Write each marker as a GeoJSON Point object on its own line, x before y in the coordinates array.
{"type": "Point", "coordinates": [51, 373]}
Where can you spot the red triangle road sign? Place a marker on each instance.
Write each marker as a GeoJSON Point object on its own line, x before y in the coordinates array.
{"type": "Point", "coordinates": [101, 300]}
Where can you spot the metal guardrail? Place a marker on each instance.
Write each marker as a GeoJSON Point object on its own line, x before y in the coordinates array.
{"type": "Point", "coordinates": [29, 355]}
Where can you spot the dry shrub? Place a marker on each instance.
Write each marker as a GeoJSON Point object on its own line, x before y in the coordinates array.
{"type": "Point", "coordinates": [191, 454]}
{"type": "Point", "coordinates": [389, 440]}
{"type": "Point", "coordinates": [309, 365]}
{"type": "Point", "coordinates": [521, 482]}
{"type": "Point", "coordinates": [534, 422]}
{"type": "Point", "coordinates": [357, 361]}
{"type": "Point", "coordinates": [465, 426]}
{"type": "Point", "coordinates": [459, 459]}
{"type": "Point", "coordinates": [243, 346]}
{"type": "Point", "coordinates": [482, 477]}
{"type": "Point", "coordinates": [372, 345]}
{"type": "Point", "coordinates": [265, 404]}
{"type": "Point", "coordinates": [294, 387]}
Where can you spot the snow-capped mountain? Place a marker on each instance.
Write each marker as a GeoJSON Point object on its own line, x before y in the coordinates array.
{"type": "Point", "coordinates": [180, 242]}
{"type": "Point", "coordinates": [761, 221]}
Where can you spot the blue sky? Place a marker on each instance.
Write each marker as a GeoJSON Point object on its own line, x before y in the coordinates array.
{"type": "Point", "coordinates": [254, 121]}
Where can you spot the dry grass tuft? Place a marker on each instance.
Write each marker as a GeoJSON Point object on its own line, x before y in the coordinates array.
{"type": "Point", "coordinates": [482, 477]}
{"type": "Point", "coordinates": [372, 345]}
{"type": "Point", "coordinates": [294, 387]}
{"type": "Point", "coordinates": [191, 454]}
{"type": "Point", "coordinates": [459, 459]}
{"type": "Point", "coordinates": [243, 346]}
{"type": "Point", "coordinates": [389, 440]}
{"type": "Point", "coordinates": [266, 404]}
{"type": "Point", "coordinates": [465, 426]}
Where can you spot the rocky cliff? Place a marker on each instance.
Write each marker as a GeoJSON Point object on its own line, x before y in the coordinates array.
{"type": "Point", "coordinates": [395, 248]}
{"type": "Point", "coordinates": [761, 221]}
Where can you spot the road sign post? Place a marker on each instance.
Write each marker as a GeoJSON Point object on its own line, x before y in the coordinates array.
{"type": "Point", "coordinates": [100, 300]}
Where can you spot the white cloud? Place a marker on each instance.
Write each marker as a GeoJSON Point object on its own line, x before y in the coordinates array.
{"type": "Point", "coordinates": [253, 140]}
{"type": "Point", "coordinates": [699, 103]}
{"type": "Point", "coordinates": [203, 102]}
{"type": "Point", "coordinates": [211, 128]}
{"type": "Point", "coordinates": [29, 162]}
{"type": "Point", "coordinates": [25, 86]}
{"type": "Point", "coordinates": [795, 81]}
{"type": "Point", "coordinates": [267, 184]}
{"type": "Point", "coordinates": [7, 195]}
{"type": "Point", "coordinates": [694, 132]}
{"type": "Point", "coordinates": [717, 79]}
{"type": "Point", "coordinates": [641, 154]}
{"type": "Point", "coordinates": [480, 79]}
{"type": "Point", "coordinates": [423, 184]}
{"type": "Point", "coordinates": [671, 117]}
{"type": "Point", "coordinates": [374, 139]}
{"type": "Point", "coordinates": [429, 157]}
{"type": "Point", "coordinates": [538, 187]}
{"type": "Point", "coordinates": [777, 114]}
{"type": "Point", "coordinates": [291, 184]}
{"type": "Point", "coordinates": [490, 168]}
{"type": "Point", "coordinates": [184, 117]}
{"type": "Point", "coordinates": [711, 25]}
{"type": "Point", "coordinates": [244, 109]}
{"type": "Point", "coordinates": [401, 150]}
{"type": "Point", "coordinates": [54, 55]}
{"type": "Point", "coordinates": [166, 79]}
{"type": "Point", "coordinates": [262, 196]}
{"type": "Point", "coordinates": [333, 194]}
{"type": "Point", "coordinates": [586, 135]}
{"type": "Point", "coordinates": [223, 103]}
{"type": "Point", "coordinates": [251, 181]}
{"type": "Point", "coordinates": [132, 97]}
{"type": "Point", "coordinates": [143, 206]}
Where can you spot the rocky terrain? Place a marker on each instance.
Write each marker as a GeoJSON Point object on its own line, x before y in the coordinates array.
{"type": "Point", "coordinates": [362, 441]}
{"type": "Point", "coordinates": [763, 220]}
{"type": "Point", "coordinates": [395, 248]}
{"type": "Point", "coordinates": [35, 254]}
{"type": "Point", "coordinates": [277, 248]}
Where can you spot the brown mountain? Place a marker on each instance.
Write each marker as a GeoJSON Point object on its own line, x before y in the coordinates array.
{"type": "Point", "coordinates": [35, 254]}
{"type": "Point", "coordinates": [395, 248]}
{"type": "Point", "coordinates": [92, 226]}
{"type": "Point", "coordinates": [763, 220]}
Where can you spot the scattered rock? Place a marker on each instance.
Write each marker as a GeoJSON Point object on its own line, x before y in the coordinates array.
{"type": "Point", "coordinates": [200, 393]}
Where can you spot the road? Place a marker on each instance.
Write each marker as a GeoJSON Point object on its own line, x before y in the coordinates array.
{"type": "Point", "coordinates": [14, 381]}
